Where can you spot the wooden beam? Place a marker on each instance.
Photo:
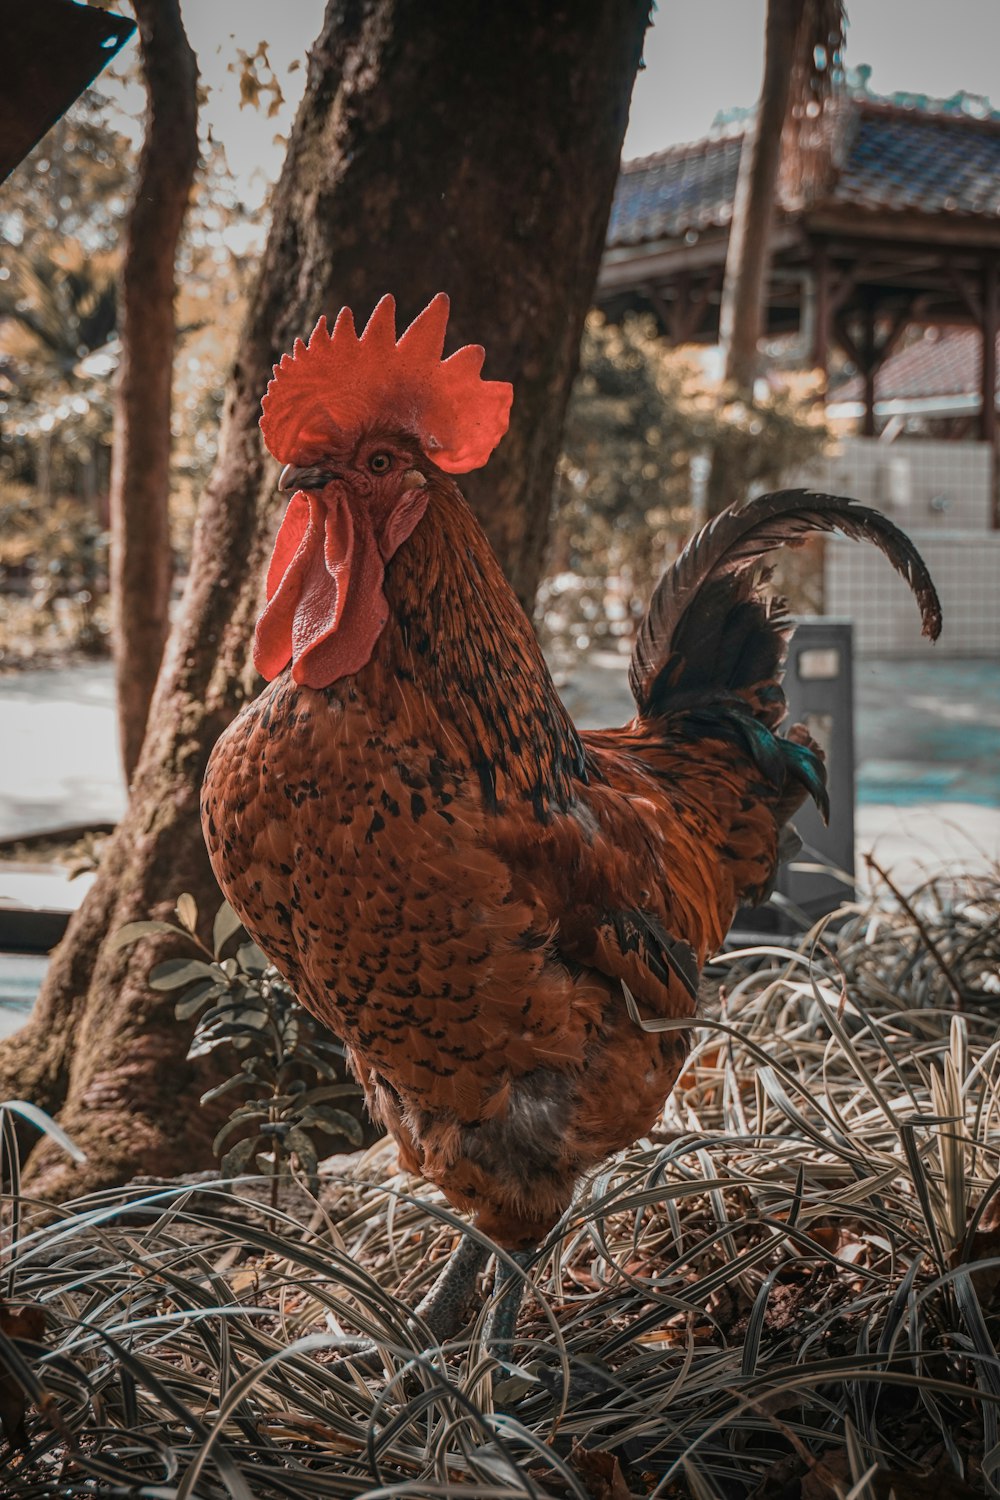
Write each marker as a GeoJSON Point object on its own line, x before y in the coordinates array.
{"type": "Point", "coordinates": [926, 230]}
{"type": "Point", "coordinates": [904, 317]}
{"type": "Point", "coordinates": [627, 267]}
{"type": "Point", "coordinates": [697, 303]}
{"type": "Point", "coordinates": [822, 309]}
{"type": "Point", "coordinates": [842, 289]}
{"type": "Point", "coordinates": [903, 261]}
{"type": "Point", "coordinates": [870, 366]}
{"type": "Point", "coordinates": [967, 291]}
{"type": "Point", "coordinates": [665, 311]}
{"type": "Point", "coordinates": [846, 341]}
{"type": "Point", "coordinates": [988, 413]}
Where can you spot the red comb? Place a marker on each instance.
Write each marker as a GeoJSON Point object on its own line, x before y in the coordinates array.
{"type": "Point", "coordinates": [339, 384]}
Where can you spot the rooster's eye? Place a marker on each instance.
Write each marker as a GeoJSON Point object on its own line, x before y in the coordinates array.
{"type": "Point", "coordinates": [380, 463]}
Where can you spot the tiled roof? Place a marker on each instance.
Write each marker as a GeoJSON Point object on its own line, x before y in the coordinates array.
{"type": "Point", "coordinates": [911, 160]}
{"type": "Point", "coordinates": [939, 364]}
{"type": "Point", "coordinates": [887, 158]}
{"type": "Point", "coordinates": [690, 187]}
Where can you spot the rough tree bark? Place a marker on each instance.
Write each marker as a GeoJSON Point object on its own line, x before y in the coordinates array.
{"type": "Point", "coordinates": [794, 29]}
{"type": "Point", "coordinates": [477, 155]}
{"type": "Point", "coordinates": [140, 477]}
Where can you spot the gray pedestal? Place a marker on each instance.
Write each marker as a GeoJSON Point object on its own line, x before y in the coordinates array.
{"type": "Point", "coordinates": [819, 686]}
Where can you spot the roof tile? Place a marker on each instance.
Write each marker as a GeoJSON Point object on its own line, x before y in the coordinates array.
{"type": "Point", "coordinates": [691, 187]}
{"type": "Point", "coordinates": [895, 159]}
{"type": "Point", "coordinates": [942, 363]}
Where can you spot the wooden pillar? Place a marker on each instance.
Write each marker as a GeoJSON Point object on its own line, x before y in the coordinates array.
{"type": "Point", "coordinates": [988, 412]}
{"type": "Point", "coordinates": [870, 367]}
{"type": "Point", "coordinates": [666, 312]}
{"type": "Point", "coordinates": [822, 309]}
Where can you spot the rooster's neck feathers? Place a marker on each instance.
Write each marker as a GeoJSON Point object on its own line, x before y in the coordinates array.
{"type": "Point", "coordinates": [457, 631]}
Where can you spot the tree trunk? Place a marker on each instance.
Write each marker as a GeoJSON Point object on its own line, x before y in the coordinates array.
{"type": "Point", "coordinates": [802, 42]}
{"type": "Point", "coordinates": [748, 258]}
{"type": "Point", "coordinates": [477, 155]}
{"type": "Point", "coordinates": [140, 482]}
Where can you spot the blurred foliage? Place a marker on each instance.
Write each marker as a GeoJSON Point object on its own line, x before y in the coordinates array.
{"type": "Point", "coordinates": [289, 1069]}
{"type": "Point", "coordinates": [641, 421]}
{"type": "Point", "coordinates": [257, 80]}
{"type": "Point", "coordinates": [53, 578]}
{"type": "Point", "coordinates": [61, 234]}
{"type": "Point", "coordinates": [75, 185]}
{"type": "Point", "coordinates": [60, 226]}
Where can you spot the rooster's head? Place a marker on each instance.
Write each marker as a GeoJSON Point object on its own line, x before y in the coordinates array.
{"type": "Point", "coordinates": [358, 424]}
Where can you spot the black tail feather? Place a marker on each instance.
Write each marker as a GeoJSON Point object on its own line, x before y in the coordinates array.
{"type": "Point", "coordinates": [709, 625]}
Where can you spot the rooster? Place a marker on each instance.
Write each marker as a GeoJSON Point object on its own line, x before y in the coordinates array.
{"type": "Point", "coordinates": [470, 893]}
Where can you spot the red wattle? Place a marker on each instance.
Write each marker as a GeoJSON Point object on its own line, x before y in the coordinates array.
{"type": "Point", "coordinates": [326, 606]}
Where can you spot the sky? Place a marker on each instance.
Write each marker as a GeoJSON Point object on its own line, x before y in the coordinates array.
{"type": "Point", "coordinates": [707, 55]}
{"type": "Point", "coordinates": [701, 56]}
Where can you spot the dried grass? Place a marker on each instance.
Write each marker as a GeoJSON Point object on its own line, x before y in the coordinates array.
{"type": "Point", "coordinates": [791, 1291]}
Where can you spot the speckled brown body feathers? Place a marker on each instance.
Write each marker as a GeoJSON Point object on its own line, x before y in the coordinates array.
{"type": "Point", "coordinates": [457, 883]}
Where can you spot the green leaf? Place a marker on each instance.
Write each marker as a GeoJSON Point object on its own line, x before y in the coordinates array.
{"type": "Point", "coordinates": [338, 1122]}
{"type": "Point", "coordinates": [195, 999]}
{"type": "Point", "coordinates": [231, 1124]}
{"type": "Point", "coordinates": [328, 1091]}
{"type": "Point", "coordinates": [177, 972]}
{"type": "Point", "coordinates": [252, 1016]}
{"type": "Point", "coordinates": [225, 925]}
{"type": "Point", "coordinates": [187, 911]}
{"type": "Point", "coordinates": [250, 958]}
{"type": "Point", "coordinates": [234, 1161]}
{"type": "Point", "coordinates": [325, 1068]}
{"type": "Point", "coordinates": [47, 1125]}
{"type": "Point", "coordinates": [227, 1087]}
{"type": "Point", "coordinates": [299, 1142]}
{"type": "Point", "coordinates": [202, 1045]}
{"type": "Point", "coordinates": [133, 931]}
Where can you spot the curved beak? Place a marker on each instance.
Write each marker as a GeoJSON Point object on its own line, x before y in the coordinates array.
{"type": "Point", "coordinates": [308, 477]}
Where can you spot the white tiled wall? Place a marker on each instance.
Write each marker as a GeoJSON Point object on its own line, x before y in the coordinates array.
{"type": "Point", "coordinates": [861, 586]}
{"type": "Point", "coordinates": [925, 486]}
{"type": "Point", "coordinates": [940, 493]}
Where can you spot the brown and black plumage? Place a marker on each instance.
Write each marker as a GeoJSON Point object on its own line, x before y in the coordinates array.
{"type": "Point", "coordinates": [453, 878]}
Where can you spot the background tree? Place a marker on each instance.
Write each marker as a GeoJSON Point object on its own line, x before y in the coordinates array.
{"type": "Point", "coordinates": [468, 148]}
{"type": "Point", "coordinates": [140, 479]}
{"type": "Point", "coordinates": [802, 46]}
{"type": "Point", "coordinates": [639, 420]}
{"type": "Point", "coordinates": [60, 226]}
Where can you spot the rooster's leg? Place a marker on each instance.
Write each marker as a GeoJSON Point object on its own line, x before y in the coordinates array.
{"type": "Point", "coordinates": [445, 1307]}
{"type": "Point", "coordinates": [444, 1310]}
{"type": "Point", "coordinates": [508, 1289]}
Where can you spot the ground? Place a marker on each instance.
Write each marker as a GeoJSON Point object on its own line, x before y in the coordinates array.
{"type": "Point", "coordinates": [779, 1295]}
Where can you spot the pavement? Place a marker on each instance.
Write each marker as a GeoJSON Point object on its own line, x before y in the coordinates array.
{"type": "Point", "coordinates": [59, 760]}
{"type": "Point", "coordinates": [927, 736]}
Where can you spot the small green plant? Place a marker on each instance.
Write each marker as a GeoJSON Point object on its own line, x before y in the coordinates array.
{"type": "Point", "coordinates": [288, 1069]}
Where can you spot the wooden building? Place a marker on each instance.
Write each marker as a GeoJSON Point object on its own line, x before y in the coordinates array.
{"type": "Point", "coordinates": [892, 217]}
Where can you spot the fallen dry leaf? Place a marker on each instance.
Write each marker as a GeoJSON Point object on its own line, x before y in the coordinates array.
{"type": "Point", "coordinates": [26, 1322]}
{"type": "Point", "coordinates": [601, 1473]}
